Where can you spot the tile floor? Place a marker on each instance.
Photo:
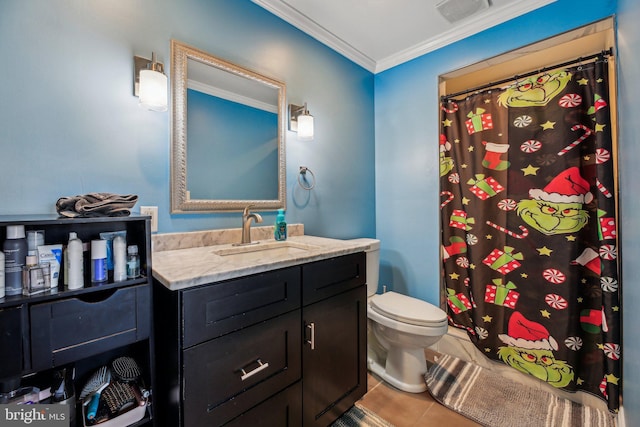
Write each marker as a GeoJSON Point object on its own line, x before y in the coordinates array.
{"type": "Point", "coordinates": [404, 409]}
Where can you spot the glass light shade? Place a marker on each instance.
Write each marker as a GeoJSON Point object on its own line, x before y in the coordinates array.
{"type": "Point", "coordinates": [153, 90]}
{"type": "Point", "coordinates": [305, 127]}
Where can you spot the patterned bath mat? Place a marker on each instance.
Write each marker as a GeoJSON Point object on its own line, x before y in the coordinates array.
{"type": "Point", "coordinates": [495, 401]}
{"type": "Point", "coordinates": [359, 416]}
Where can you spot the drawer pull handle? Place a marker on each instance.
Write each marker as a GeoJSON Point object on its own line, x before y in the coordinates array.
{"type": "Point", "coordinates": [261, 366]}
{"type": "Point", "coordinates": [312, 341]}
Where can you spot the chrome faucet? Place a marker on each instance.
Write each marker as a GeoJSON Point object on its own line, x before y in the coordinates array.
{"type": "Point", "coordinates": [246, 225]}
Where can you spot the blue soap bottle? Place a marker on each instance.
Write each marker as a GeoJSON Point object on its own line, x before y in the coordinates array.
{"type": "Point", "coordinates": [280, 231]}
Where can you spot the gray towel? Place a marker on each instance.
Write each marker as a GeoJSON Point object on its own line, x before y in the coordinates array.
{"type": "Point", "coordinates": [96, 204]}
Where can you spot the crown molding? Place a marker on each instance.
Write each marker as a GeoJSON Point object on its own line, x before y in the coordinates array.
{"type": "Point", "coordinates": [318, 32]}
{"type": "Point", "coordinates": [471, 26]}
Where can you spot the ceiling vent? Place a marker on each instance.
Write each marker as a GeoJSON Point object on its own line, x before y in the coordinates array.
{"type": "Point", "coordinates": [455, 10]}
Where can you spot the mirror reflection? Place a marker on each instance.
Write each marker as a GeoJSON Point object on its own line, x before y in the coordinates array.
{"type": "Point", "coordinates": [227, 135]}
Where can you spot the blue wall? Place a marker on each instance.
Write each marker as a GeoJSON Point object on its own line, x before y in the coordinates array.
{"type": "Point", "coordinates": [70, 125]}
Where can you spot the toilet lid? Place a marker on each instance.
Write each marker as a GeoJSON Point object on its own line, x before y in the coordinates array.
{"type": "Point", "coordinates": [408, 310]}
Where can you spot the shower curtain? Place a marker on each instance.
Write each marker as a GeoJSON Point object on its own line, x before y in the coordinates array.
{"type": "Point", "coordinates": [528, 227]}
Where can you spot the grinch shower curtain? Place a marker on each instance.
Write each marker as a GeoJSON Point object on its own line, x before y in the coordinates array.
{"type": "Point", "coordinates": [528, 220]}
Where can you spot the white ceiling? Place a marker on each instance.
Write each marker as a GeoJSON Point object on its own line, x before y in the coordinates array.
{"type": "Point", "coordinates": [380, 34]}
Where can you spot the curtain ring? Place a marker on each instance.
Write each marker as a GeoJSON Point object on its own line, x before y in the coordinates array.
{"type": "Point", "coordinates": [303, 176]}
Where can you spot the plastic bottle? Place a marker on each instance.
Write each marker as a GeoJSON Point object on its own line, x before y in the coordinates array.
{"type": "Point", "coordinates": [119, 259]}
{"type": "Point", "coordinates": [133, 262]}
{"type": "Point", "coordinates": [35, 238]}
{"type": "Point", "coordinates": [1, 274]}
{"type": "Point", "coordinates": [280, 231]}
{"type": "Point", "coordinates": [15, 256]}
{"type": "Point", "coordinates": [99, 261]}
{"type": "Point", "coordinates": [74, 263]}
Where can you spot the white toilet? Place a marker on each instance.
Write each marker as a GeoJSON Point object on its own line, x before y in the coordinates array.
{"type": "Point", "coordinates": [399, 329]}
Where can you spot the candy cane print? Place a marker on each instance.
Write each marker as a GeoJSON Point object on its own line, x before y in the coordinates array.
{"type": "Point", "coordinates": [522, 235]}
{"type": "Point", "coordinates": [449, 110]}
{"type": "Point", "coordinates": [587, 133]}
{"type": "Point", "coordinates": [603, 189]}
{"type": "Point", "coordinates": [450, 197]}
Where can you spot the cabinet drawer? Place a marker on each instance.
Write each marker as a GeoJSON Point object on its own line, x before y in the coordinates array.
{"type": "Point", "coordinates": [326, 278]}
{"type": "Point", "coordinates": [220, 308]}
{"type": "Point", "coordinates": [227, 376]}
{"type": "Point", "coordinates": [281, 410]}
{"type": "Point", "coordinates": [75, 328]}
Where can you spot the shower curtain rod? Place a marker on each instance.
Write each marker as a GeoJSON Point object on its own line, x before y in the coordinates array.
{"type": "Point", "coordinates": [604, 53]}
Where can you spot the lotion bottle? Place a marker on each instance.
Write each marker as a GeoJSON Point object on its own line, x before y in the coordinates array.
{"type": "Point", "coordinates": [280, 231]}
{"type": "Point", "coordinates": [75, 263]}
{"type": "Point", "coordinates": [119, 259]}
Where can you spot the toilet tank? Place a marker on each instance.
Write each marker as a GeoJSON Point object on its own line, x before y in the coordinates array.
{"type": "Point", "coordinates": [373, 263]}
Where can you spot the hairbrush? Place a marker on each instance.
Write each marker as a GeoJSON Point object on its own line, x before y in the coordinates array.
{"type": "Point", "coordinates": [125, 369]}
{"type": "Point", "coordinates": [119, 397]}
{"type": "Point", "coordinates": [96, 381]}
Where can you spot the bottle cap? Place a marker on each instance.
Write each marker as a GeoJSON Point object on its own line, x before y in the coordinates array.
{"type": "Point", "coordinates": [132, 250]}
{"type": "Point", "coordinates": [31, 260]}
{"type": "Point", "coordinates": [15, 231]}
{"type": "Point", "coordinates": [73, 235]}
{"type": "Point", "coordinates": [98, 249]}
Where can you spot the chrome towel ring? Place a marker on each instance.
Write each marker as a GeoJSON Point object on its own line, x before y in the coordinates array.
{"type": "Point", "coordinates": [303, 178]}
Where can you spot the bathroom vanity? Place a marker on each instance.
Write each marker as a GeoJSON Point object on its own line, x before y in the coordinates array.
{"type": "Point", "coordinates": [273, 334]}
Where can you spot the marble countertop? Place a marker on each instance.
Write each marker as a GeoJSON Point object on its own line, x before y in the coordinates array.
{"type": "Point", "coordinates": [184, 267]}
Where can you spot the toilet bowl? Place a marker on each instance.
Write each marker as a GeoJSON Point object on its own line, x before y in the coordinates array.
{"type": "Point", "coordinates": [399, 329]}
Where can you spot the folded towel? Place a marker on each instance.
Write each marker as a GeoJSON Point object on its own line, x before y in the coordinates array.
{"type": "Point", "coordinates": [96, 204]}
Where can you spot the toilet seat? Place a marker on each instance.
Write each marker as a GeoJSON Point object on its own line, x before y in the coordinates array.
{"type": "Point", "coordinates": [409, 310]}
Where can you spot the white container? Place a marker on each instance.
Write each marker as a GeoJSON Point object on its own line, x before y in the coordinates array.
{"type": "Point", "coordinates": [1, 274]}
{"type": "Point", "coordinates": [119, 259]}
{"type": "Point", "coordinates": [99, 261]}
{"type": "Point", "coordinates": [74, 263]}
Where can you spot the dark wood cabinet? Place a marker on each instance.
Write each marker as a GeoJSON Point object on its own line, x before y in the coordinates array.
{"type": "Point", "coordinates": [235, 353]}
{"type": "Point", "coordinates": [334, 356]}
{"type": "Point", "coordinates": [81, 329]}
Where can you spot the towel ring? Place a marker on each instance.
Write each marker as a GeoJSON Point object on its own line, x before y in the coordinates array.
{"type": "Point", "coordinates": [303, 175]}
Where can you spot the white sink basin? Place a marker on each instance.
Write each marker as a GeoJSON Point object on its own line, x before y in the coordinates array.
{"type": "Point", "coordinates": [260, 249]}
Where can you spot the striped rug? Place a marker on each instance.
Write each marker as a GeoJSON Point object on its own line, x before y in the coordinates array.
{"type": "Point", "coordinates": [359, 416]}
{"type": "Point", "coordinates": [495, 401]}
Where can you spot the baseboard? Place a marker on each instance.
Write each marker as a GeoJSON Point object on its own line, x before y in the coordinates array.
{"type": "Point", "coordinates": [620, 420]}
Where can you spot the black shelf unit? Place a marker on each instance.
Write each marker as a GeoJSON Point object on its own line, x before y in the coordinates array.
{"type": "Point", "coordinates": [84, 328]}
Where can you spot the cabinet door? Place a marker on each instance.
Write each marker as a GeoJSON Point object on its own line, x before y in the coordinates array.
{"type": "Point", "coordinates": [11, 339]}
{"type": "Point", "coordinates": [334, 356]}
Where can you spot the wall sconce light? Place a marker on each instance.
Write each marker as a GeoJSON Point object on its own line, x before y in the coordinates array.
{"type": "Point", "coordinates": [150, 83]}
{"type": "Point", "coordinates": [301, 121]}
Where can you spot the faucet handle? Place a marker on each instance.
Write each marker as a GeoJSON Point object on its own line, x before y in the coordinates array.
{"type": "Point", "coordinates": [245, 212]}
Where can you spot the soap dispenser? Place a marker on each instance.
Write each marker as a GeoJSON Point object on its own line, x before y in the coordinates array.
{"type": "Point", "coordinates": [280, 231]}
